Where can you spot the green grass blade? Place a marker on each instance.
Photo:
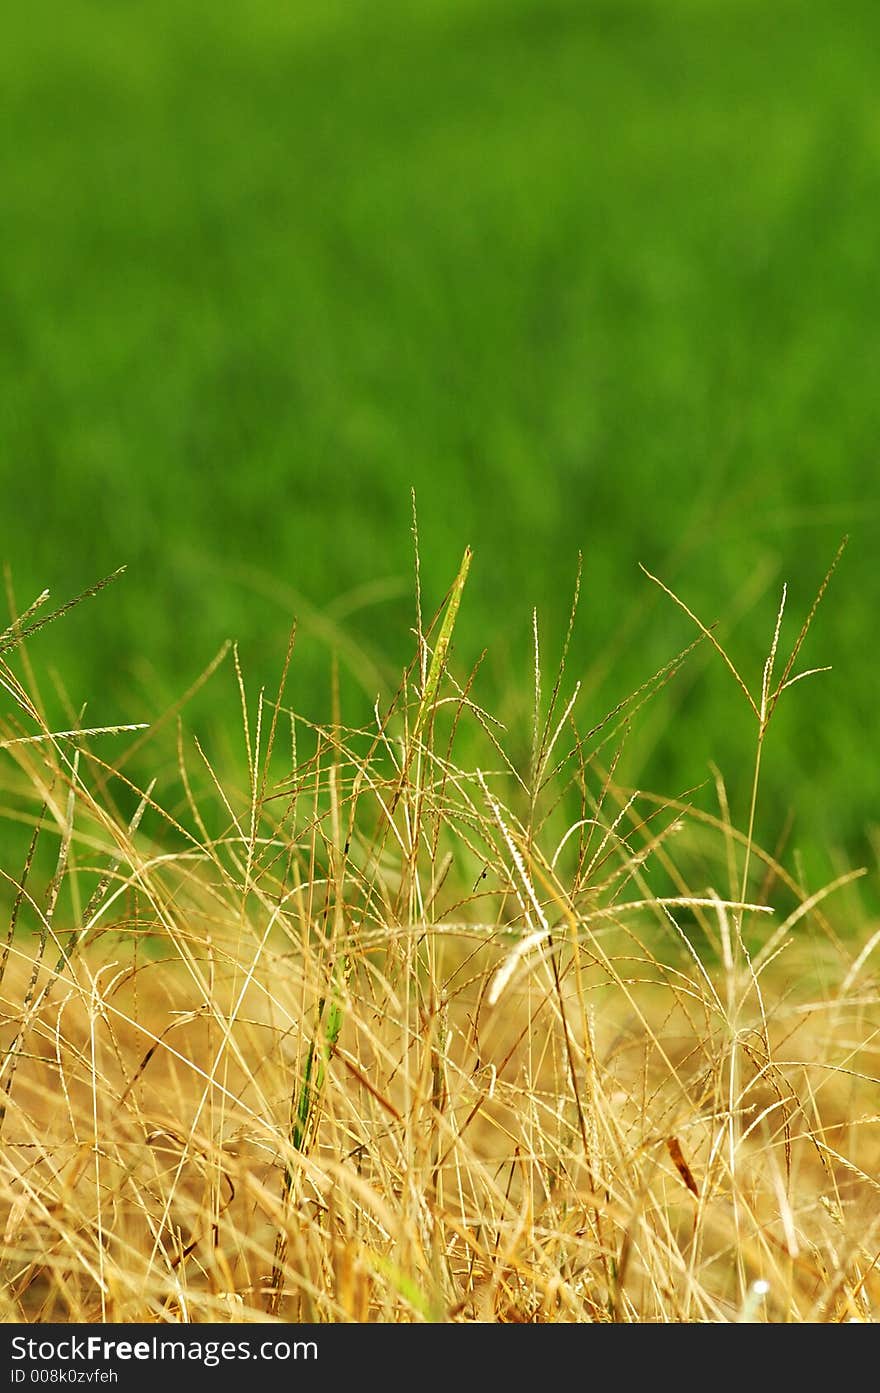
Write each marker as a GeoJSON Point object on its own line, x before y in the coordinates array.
{"type": "Point", "coordinates": [438, 662]}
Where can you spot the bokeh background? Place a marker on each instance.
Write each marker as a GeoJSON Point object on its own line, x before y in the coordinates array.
{"type": "Point", "coordinates": [589, 275]}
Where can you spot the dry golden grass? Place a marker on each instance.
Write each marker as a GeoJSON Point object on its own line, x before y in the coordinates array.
{"type": "Point", "coordinates": [379, 1036]}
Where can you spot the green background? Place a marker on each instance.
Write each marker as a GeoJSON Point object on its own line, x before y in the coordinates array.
{"type": "Point", "coordinates": [589, 276]}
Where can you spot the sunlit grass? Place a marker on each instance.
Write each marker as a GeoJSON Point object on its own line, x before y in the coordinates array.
{"type": "Point", "coordinates": [372, 1034]}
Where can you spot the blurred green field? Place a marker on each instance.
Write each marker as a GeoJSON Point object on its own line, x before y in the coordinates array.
{"type": "Point", "coordinates": [590, 276]}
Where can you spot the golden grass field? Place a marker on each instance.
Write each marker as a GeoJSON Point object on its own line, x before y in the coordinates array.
{"type": "Point", "coordinates": [372, 1034]}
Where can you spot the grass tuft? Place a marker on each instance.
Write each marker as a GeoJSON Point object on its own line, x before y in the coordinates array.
{"type": "Point", "coordinates": [375, 1030]}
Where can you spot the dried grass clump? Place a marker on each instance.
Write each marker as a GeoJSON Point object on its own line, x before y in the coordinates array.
{"type": "Point", "coordinates": [386, 1035]}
